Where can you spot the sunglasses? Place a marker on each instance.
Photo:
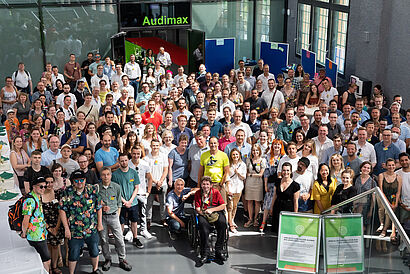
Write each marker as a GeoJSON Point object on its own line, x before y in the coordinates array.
{"type": "Point", "coordinates": [42, 187]}
{"type": "Point", "coordinates": [77, 181]}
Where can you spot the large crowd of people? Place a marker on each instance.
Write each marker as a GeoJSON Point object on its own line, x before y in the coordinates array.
{"type": "Point", "coordinates": [96, 144]}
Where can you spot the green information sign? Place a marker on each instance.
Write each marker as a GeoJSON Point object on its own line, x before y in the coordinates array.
{"type": "Point", "coordinates": [298, 242]}
{"type": "Point", "coordinates": [343, 243]}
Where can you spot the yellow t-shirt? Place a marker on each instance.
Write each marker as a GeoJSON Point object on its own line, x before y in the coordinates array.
{"type": "Point", "coordinates": [319, 193]}
{"type": "Point", "coordinates": [214, 165]}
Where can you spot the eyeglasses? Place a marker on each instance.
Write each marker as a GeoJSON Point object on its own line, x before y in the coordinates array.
{"type": "Point", "coordinates": [42, 186]}
{"type": "Point", "coordinates": [77, 181]}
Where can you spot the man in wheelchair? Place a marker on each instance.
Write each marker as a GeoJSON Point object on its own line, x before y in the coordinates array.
{"type": "Point", "coordinates": [210, 207]}
{"type": "Point", "coordinates": [176, 218]}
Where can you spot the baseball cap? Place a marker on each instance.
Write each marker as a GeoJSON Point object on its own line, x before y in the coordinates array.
{"type": "Point", "coordinates": [78, 174]}
{"type": "Point", "coordinates": [305, 161]}
{"type": "Point", "coordinates": [66, 145]}
{"type": "Point", "coordinates": [10, 111]}
{"type": "Point", "coordinates": [39, 180]}
{"type": "Point", "coordinates": [25, 121]}
{"type": "Point", "coordinates": [212, 102]}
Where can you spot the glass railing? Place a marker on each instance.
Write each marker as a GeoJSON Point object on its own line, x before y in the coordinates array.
{"type": "Point", "coordinates": [386, 241]}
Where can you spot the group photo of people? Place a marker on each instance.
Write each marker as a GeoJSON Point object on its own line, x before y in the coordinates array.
{"type": "Point", "coordinates": [104, 151]}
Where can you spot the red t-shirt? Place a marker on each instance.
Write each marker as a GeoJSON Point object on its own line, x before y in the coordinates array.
{"type": "Point", "coordinates": [156, 119]}
{"type": "Point", "coordinates": [217, 199]}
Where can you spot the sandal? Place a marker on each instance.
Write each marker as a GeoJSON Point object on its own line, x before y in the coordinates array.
{"type": "Point", "coordinates": [255, 223]}
{"type": "Point", "coordinates": [56, 270]}
{"type": "Point", "coordinates": [383, 234]}
{"type": "Point", "coordinates": [393, 240]}
{"type": "Point", "coordinates": [248, 224]}
{"type": "Point", "coordinates": [262, 227]}
{"type": "Point", "coordinates": [233, 229]}
{"type": "Point", "coordinates": [380, 229]}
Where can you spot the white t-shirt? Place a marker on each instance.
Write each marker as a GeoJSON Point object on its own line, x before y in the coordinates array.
{"type": "Point", "coordinates": [143, 170]}
{"type": "Point", "coordinates": [194, 155]}
{"type": "Point", "coordinates": [286, 159]}
{"type": "Point", "coordinates": [305, 181]}
{"type": "Point", "coordinates": [60, 99]}
{"type": "Point", "coordinates": [22, 78]}
{"type": "Point", "coordinates": [405, 188]}
{"type": "Point", "coordinates": [277, 101]}
{"type": "Point", "coordinates": [157, 165]}
{"type": "Point", "coordinates": [265, 79]}
{"type": "Point", "coordinates": [245, 127]}
{"type": "Point", "coordinates": [328, 95]}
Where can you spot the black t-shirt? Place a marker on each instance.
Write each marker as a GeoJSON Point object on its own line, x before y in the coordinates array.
{"type": "Point", "coordinates": [257, 71]}
{"type": "Point", "coordinates": [341, 195]}
{"type": "Point", "coordinates": [259, 104]}
{"type": "Point", "coordinates": [57, 92]}
{"type": "Point", "coordinates": [30, 174]}
{"type": "Point", "coordinates": [115, 129]}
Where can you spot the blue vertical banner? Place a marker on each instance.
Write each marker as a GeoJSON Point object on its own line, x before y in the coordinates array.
{"type": "Point", "coordinates": [331, 71]}
{"type": "Point", "coordinates": [275, 55]}
{"type": "Point", "coordinates": [309, 62]}
{"type": "Point", "coordinates": [220, 55]}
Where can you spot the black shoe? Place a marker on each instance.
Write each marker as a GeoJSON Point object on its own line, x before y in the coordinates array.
{"type": "Point", "coordinates": [220, 256]}
{"type": "Point", "coordinates": [96, 271]}
{"type": "Point", "coordinates": [138, 243]}
{"type": "Point", "coordinates": [107, 265]}
{"type": "Point", "coordinates": [204, 259]}
{"type": "Point", "coordinates": [172, 235]}
{"type": "Point", "coordinates": [125, 265]}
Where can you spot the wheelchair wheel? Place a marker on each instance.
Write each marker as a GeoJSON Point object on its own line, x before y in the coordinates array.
{"type": "Point", "coordinates": [191, 231]}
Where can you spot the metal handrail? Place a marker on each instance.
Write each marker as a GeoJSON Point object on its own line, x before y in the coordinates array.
{"type": "Point", "coordinates": [386, 205]}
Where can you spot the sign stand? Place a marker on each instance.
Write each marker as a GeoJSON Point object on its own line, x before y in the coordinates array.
{"type": "Point", "coordinates": [298, 242]}
{"type": "Point", "coordinates": [343, 245]}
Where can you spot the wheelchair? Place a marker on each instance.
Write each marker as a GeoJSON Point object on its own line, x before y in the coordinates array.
{"type": "Point", "coordinates": [195, 239]}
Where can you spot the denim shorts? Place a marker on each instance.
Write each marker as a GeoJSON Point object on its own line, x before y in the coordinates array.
{"type": "Point", "coordinates": [75, 246]}
{"type": "Point", "coordinates": [129, 214]}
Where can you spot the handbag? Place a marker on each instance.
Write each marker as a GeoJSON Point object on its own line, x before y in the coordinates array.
{"type": "Point", "coordinates": [210, 217]}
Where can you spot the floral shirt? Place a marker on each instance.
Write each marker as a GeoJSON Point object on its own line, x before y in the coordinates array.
{"type": "Point", "coordinates": [81, 210]}
{"type": "Point", "coordinates": [37, 230]}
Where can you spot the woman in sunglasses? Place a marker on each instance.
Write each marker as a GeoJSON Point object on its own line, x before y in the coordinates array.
{"type": "Point", "coordinates": [34, 227]}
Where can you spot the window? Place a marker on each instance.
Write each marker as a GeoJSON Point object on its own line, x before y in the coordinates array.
{"type": "Point", "coordinates": [264, 20]}
{"type": "Point", "coordinates": [323, 24]}
{"type": "Point", "coordinates": [304, 27]}
{"type": "Point", "coordinates": [320, 38]}
{"type": "Point", "coordinates": [242, 19]}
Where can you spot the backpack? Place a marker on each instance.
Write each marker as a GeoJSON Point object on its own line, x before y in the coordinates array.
{"type": "Point", "coordinates": [15, 213]}
{"type": "Point", "coordinates": [15, 74]}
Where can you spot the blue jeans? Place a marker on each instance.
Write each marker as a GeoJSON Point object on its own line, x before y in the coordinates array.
{"type": "Point", "coordinates": [136, 85]}
{"type": "Point", "coordinates": [75, 246]}
{"type": "Point", "coordinates": [174, 225]}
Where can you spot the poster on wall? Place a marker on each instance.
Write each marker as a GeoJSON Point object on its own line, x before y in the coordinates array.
{"type": "Point", "coordinates": [275, 55]}
{"type": "Point", "coordinates": [331, 71]}
{"type": "Point", "coordinates": [298, 242]}
{"type": "Point", "coordinates": [343, 243]}
{"type": "Point", "coordinates": [308, 61]}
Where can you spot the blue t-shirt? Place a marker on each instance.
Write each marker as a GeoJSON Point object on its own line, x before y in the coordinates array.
{"type": "Point", "coordinates": [79, 141]}
{"type": "Point", "coordinates": [180, 164]}
{"type": "Point", "coordinates": [383, 153]}
{"type": "Point", "coordinates": [176, 202]}
{"type": "Point", "coordinates": [108, 158]}
{"type": "Point", "coordinates": [216, 128]}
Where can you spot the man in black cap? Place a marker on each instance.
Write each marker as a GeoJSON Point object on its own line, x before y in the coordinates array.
{"type": "Point", "coordinates": [305, 179]}
{"type": "Point", "coordinates": [81, 215]}
{"type": "Point", "coordinates": [75, 137]}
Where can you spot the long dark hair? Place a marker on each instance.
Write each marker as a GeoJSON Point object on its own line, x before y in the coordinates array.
{"type": "Point", "coordinates": [128, 145]}
{"type": "Point", "coordinates": [320, 179]}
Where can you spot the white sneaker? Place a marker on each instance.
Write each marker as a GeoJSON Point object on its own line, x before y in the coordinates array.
{"type": "Point", "coordinates": [129, 237]}
{"type": "Point", "coordinates": [146, 234]}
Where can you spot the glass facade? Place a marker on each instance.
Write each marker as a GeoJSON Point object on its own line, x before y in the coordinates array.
{"type": "Point", "coordinates": [82, 26]}
{"type": "Point", "coordinates": [21, 42]}
{"type": "Point", "coordinates": [78, 30]}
